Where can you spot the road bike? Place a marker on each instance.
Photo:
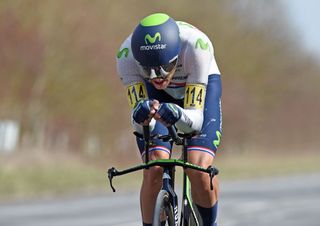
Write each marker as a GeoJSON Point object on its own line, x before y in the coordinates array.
{"type": "Point", "coordinates": [166, 207]}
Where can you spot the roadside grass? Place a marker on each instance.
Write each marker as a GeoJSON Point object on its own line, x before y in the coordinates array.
{"type": "Point", "coordinates": [266, 165]}
{"type": "Point", "coordinates": [59, 175]}
{"type": "Point", "coordinates": [40, 174]}
{"type": "Point", "coordinates": [37, 180]}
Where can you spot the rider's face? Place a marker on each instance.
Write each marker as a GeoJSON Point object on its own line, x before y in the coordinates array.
{"type": "Point", "coordinates": [160, 76]}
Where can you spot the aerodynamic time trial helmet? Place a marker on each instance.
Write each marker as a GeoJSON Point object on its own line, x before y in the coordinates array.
{"type": "Point", "coordinates": [155, 43]}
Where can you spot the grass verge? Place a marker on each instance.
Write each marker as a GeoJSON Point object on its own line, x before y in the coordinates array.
{"type": "Point", "coordinates": [264, 165]}
{"type": "Point", "coordinates": [28, 177]}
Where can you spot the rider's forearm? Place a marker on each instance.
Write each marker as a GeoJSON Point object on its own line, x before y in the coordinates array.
{"type": "Point", "coordinates": [191, 120]}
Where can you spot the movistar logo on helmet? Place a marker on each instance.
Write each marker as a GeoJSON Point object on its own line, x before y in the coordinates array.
{"type": "Point", "coordinates": [148, 39]}
{"type": "Point", "coordinates": [153, 39]}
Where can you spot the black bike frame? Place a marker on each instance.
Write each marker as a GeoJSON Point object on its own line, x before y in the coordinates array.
{"type": "Point", "coordinates": [168, 185]}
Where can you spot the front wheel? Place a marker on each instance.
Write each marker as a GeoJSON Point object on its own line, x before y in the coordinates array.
{"type": "Point", "coordinates": [163, 209]}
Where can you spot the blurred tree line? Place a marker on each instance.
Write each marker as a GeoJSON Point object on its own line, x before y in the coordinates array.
{"type": "Point", "coordinates": [58, 74]}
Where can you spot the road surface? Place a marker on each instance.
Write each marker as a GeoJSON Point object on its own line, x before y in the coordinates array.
{"type": "Point", "coordinates": [285, 201]}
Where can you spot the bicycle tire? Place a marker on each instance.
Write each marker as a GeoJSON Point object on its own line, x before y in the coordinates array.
{"type": "Point", "coordinates": [195, 220]}
{"type": "Point", "coordinates": [190, 217]}
{"type": "Point", "coordinates": [163, 204]}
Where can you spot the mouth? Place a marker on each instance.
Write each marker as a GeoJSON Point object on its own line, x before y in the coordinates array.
{"type": "Point", "coordinates": [160, 83]}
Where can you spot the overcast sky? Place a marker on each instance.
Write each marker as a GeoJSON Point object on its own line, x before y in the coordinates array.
{"type": "Point", "coordinates": [305, 14]}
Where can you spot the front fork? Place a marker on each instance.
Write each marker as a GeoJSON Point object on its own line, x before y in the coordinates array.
{"type": "Point", "coordinates": [168, 185]}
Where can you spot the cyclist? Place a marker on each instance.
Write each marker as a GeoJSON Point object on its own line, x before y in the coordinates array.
{"type": "Point", "coordinates": [171, 77]}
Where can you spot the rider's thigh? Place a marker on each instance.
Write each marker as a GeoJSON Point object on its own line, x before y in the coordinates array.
{"type": "Point", "coordinates": [199, 158]}
{"type": "Point", "coordinates": [158, 154]}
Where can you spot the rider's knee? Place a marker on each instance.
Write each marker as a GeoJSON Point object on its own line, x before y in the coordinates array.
{"type": "Point", "coordinates": [199, 180]}
{"type": "Point", "coordinates": [153, 176]}
{"type": "Point", "coordinates": [200, 183]}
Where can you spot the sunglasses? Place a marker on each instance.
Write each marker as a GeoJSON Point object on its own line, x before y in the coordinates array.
{"type": "Point", "coordinates": [160, 71]}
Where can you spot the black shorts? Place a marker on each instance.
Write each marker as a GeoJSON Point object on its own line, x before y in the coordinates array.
{"type": "Point", "coordinates": [209, 139]}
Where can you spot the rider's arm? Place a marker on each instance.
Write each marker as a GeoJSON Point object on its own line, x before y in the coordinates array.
{"type": "Point", "coordinates": [192, 113]}
{"type": "Point", "coordinates": [130, 76]}
{"type": "Point", "coordinates": [135, 93]}
{"type": "Point", "coordinates": [200, 63]}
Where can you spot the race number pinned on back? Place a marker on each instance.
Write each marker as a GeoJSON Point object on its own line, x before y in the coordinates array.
{"type": "Point", "coordinates": [194, 96]}
{"type": "Point", "coordinates": [136, 92]}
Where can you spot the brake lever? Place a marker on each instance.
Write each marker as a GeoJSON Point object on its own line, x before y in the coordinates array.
{"type": "Point", "coordinates": [111, 173]}
{"type": "Point", "coordinates": [212, 173]}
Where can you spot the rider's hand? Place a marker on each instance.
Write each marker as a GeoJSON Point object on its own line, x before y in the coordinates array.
{"type": "Point", "coordinates": [154, 107]}
{"type": "Point", "coordinates": [168, 114]}
{"type": "Point", "coordinates": [144, 111]}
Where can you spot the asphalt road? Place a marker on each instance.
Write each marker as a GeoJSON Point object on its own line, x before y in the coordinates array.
{"type": "Point", "coordinates": [286, 201]}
